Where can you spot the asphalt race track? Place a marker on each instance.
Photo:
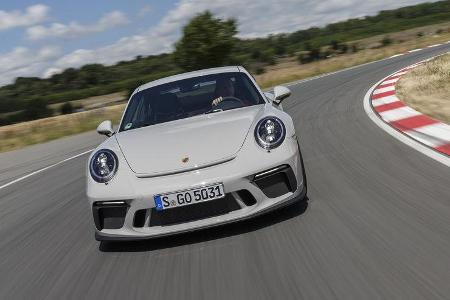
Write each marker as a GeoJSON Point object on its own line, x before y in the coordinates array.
{"type": "Point", "coordinates": [377, 225]}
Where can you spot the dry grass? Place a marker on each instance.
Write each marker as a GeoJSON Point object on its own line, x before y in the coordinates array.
{"type": "Point", "coordinates": [427, 88]}
{"type": "Point", "coordinates": [19, 135]}
{"type": "Point", "coordinates": [87, 103]}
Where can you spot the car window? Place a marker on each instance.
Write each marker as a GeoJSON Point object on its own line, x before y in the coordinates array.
{"type": "Point", "coordinates": [190, 97]}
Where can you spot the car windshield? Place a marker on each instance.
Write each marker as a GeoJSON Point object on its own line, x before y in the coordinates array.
{"type": "Point", "coordinates": [190, 97]}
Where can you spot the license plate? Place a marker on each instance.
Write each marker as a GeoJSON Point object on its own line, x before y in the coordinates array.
{"type": "Point", "coordinates": [188, 197]}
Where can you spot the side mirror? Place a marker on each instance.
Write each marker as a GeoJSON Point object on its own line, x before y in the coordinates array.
{"type": "Point", "coordinates": [105, 128]}
{"type": "Point", "coordinates": [281, 93]}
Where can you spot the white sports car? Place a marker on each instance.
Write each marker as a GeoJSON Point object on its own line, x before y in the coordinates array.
{"type": "Point", "coordinates": [192, 151]}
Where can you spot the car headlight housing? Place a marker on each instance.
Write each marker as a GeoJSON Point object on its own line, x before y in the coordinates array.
{"type": "Point", "coordinates": [103, 165]}
{"type": "Point", "coordinates": [270, 132]}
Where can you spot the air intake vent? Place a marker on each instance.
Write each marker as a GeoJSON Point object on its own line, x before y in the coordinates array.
{"type": "Point", "coordinates": [194, 212]}
{"type": "Point", "coordinates": [139, 218]}
{"type": "Point", "coordinates": [247, 197]}
{"type": "Point", "coordinates": [109, 215]}
{"type": "Point", "coordinates": [276, 182]}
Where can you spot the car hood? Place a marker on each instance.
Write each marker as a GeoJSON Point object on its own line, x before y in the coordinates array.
{"type": "Point", "coordinates": [186, 144]}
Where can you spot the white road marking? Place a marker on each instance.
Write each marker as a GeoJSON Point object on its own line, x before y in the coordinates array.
{"type": "Point", "coordinates": [43, 169]}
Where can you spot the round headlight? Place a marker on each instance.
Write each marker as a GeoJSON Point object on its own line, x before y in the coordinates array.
{"type": "Point", "coordinates": [103, 165]}
{"type": "Point", "coordinates": [270, 132]}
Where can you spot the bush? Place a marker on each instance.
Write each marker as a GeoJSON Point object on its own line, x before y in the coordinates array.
{"type": "Point", "coordinates": [304, 58]}
{"type": "Point", "coordinates": [280, 49]}
{"type": "Point", "coordinates": [267, 56]}
{"type": "Point", "coordinates": [256, 54]}
{"type": "Point", "coordinates": [37, 109]}
{"type": "Point", "coordinates": [343, 48]}
{"type": "Point", "coordinates": [67, 108]}
{"type": "Point", "coordinates": [386, 41]}
{"type": "Point", "coordinates": [315, 54]}
{"type": "Point", "coordinates": [260, 71]}
{"type": "Point", "coordinates": [13, 118]}
{"type": "Point", "coordinates": [334, 45]}
{"type": "Point", "coordinates": [301, 58]}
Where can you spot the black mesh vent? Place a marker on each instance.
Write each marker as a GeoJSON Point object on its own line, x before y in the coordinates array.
{"type": "Point", "coordinates": [277, 183]}
{"type": "Point", "coordinates": [193, 212]}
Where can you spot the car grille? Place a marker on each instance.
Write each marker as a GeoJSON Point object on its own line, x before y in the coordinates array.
{"type": "Point", "coordinates": [193, 212]}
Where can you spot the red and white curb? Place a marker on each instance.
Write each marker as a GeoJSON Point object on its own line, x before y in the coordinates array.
{"type": "Point", "coordinates": [426, 134]}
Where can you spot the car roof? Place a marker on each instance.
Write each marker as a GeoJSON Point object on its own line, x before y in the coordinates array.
{"type": "Point", "coordinates": [189, 75]}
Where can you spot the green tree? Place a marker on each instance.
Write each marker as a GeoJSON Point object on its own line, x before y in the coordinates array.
{"type": "Point", "coordinates": [268, 56]}
{"type": "Point", "coordinates": [207, 42]}
{"type": "Point", "coordinates": [37, 109]}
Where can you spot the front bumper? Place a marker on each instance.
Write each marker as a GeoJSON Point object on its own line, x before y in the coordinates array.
{"type": "Point", "coordinates": [261, 196]}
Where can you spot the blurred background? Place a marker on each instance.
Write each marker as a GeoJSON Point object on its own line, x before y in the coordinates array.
{"type": "Point", "coordinates": [67, 66]}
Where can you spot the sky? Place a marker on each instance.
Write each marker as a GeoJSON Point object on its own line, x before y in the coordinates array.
{"type": "Point", "coordinates": [41, 38]}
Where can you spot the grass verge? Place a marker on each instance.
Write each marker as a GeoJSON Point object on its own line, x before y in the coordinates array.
{"type": "Point", "coordinates": [23, 134]}
{"type": "Point", "coordinates": [427, 88]}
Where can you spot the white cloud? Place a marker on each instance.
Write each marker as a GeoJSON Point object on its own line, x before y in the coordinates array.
{"type": "Point", "coordinates": [50, 72]}
{"type": "Point", "coordinates": [24, 62]}
{"type": "Point", "coordinates": [74, 30]}
{"type": "Point", "coordinates": [34, 14]}
{"type": "Point", "coordinates": [156, 40]}
{"type": "Point", "coordinates": [125, 49]}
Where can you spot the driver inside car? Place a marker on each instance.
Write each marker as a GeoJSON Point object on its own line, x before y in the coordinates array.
{"type": "Point", "coordinates": [224, 88]}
